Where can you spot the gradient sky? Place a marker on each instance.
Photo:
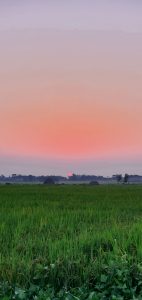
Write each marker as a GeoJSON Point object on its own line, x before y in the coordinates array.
{"type": "Point", "coordinates": [70, 86]}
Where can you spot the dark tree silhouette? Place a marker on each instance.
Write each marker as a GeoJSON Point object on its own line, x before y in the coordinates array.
{"type": "Point", "coordinates": [49, 180]}
{"type": "Point", "coordinates": [118, 177]}
{"type": "Point", "coordinates": [126, 178]}
{"type": "Point", "coordinates": [94, 183]}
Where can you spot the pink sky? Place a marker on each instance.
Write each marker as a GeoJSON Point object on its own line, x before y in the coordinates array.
{"type": "Point", "coordinates": [71, 89]}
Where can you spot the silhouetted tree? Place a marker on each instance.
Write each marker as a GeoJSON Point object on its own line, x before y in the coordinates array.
{"type": "Point", "coordinates": [49, 180]}
{"type": "Point", "coordinates": [94, 183]}
{"type": "Point", "coordinates": [118, 177]}
{"type": "Point", "coordinates": [126, 178]}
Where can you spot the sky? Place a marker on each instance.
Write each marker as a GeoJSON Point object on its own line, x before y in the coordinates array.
{"type": "Point", "coordinates": [70, 86]}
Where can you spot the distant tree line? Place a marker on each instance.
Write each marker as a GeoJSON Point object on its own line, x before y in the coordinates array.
{"type": "Point", "coordinates": [51, 179]}
{"type": "Point", "coordinates": [120, 178]}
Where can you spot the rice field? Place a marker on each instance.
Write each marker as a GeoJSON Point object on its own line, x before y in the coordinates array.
{"type": "Point", "coordinates": [63, 235]}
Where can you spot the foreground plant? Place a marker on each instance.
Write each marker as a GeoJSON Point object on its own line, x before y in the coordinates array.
{"type": "Point", "coordinates": [117, 281]}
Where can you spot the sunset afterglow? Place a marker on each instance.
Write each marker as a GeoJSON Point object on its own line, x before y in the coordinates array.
{"type": "Point", "coordinates": [71, 89]}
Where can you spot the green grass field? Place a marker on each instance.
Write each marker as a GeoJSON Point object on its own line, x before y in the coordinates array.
{"type": "Point", "coordinates": [64, 235]}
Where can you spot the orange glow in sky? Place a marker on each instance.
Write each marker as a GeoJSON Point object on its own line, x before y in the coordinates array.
{"type": "Point", "coordinates": [72, 102]}
{"type": "Point", "coordinates": [67, 93]}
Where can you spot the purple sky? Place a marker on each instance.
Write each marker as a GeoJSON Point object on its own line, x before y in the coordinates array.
{"type": "Point", "coordinates": [70, 86]}
{"type": "Point", "coordinates": [113, 15]}
{"type": "Point", "coordinates": [28, 165]}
